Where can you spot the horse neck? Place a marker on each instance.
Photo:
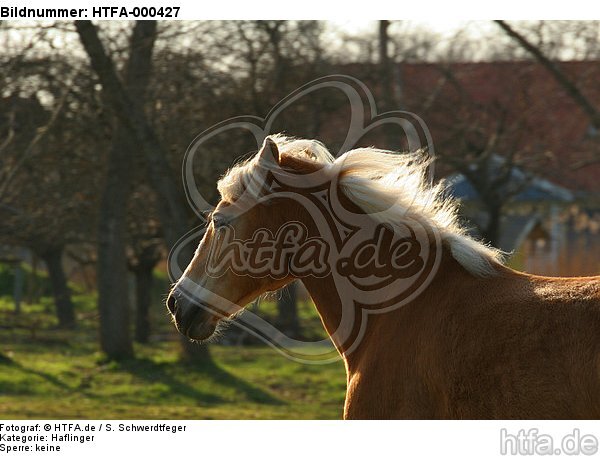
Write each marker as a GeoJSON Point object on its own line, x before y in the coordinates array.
{"type": "Point", "coordinates": [329, 304]}
{"type": "Point", "coordinates": [450, 277]}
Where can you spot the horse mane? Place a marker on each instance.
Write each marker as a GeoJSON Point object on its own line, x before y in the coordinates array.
{"type": "Point", "coordinates": [390, 186]}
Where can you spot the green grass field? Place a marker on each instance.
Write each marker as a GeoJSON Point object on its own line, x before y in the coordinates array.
{"type": "Point", "coordinates": [243, 383]}
{"type": "Point", "coordinates": [50, 373]}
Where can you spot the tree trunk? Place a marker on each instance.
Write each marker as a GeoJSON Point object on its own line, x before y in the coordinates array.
{"type": "Point", "coordinates": [18, 287]}
{"type": "Point", "coordinates": [171, 208]}
{"type": "Point", "coordinates": [273, 30]}
{"type": "Point", "coordinates": [31, 293]}
{"type": "Point", "coordinates": [287, 307]}
{"type": "Point", "coordinates": [113, 296]}
{"type": "Point", "coordinates": [492, 230]}
{"type": "Point", "coordinates": [113, 302]}
{"type": "Point", "coordinates": [385, 73]}
{"type": "Point", "coordinates": [60, 288]}
{"type": "Point", "coordinates": [392, 132]}
{"type": "Point", "coordinates": [143, 297]}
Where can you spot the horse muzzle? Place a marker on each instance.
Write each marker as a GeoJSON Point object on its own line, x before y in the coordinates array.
{"type": "Point", "coordinates": [192, 319]}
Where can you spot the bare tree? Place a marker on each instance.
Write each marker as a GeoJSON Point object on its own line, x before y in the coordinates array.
{"type": "Point", "coordinates": [490, 141]}
{"type": "Point", "coordinates": [48, 204]}
{"type": "Point", "coordinates": [388, 83]}
{"type": "Point", "coordinates": [113, 295]}
{"type": "Point", "coordinates": [569, 86]}
{"type": "Point", "coordinates": [145, 250]}
{"type": "Point", "coordinates": [171, 207]}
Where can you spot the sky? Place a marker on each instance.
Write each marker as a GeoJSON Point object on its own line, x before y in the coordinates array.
{"type": "Point", "coordinates": [444, 27]}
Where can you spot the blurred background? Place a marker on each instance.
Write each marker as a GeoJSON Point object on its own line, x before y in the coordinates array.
{"type": "Point", "coordinates": [95, 120]}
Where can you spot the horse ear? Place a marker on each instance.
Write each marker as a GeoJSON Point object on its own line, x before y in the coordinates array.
{"type": "Point", "coordinates": [269, 153]}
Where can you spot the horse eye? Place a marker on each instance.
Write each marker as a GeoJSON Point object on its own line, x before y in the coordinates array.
{"type": "Point", "coordinates": [219, 221]}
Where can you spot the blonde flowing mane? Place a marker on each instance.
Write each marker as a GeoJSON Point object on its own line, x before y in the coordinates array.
{"type": "Point", "coordinates": [392, 187]}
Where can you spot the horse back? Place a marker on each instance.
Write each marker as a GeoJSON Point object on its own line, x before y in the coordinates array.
{"type": "Point", "coordinates": [524, 346]}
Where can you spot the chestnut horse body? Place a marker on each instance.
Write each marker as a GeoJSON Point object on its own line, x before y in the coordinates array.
{"type": "Point", "coordinates": [476, 342]}
{"type": "Point", "coordinates": [512, 346]}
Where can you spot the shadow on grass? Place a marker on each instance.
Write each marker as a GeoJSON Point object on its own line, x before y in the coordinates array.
{"type": "Point", "coordinates": [151, 371]}
{"type": "Point", "coordinates": [51, 379]}
{"type": "Point", "coordinates": [5, 360]}
{"type": "Point", "coordinates": [166, 373]}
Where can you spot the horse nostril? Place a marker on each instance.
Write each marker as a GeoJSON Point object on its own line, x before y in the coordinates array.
{"type": "Point", "coordinates": [172, 304]}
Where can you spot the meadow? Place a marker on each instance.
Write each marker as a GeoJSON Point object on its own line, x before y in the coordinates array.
{"type": "Point", "coordinates": [60, 374]}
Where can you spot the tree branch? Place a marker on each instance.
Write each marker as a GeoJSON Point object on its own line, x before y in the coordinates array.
{"type": "Point", "coordinates": [171, 207]}
{"type": "Point", "coordinates": [569, 86]}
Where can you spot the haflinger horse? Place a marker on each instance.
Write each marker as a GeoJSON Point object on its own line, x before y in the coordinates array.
{"type": "Point", "coordinates": [478, 341]}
